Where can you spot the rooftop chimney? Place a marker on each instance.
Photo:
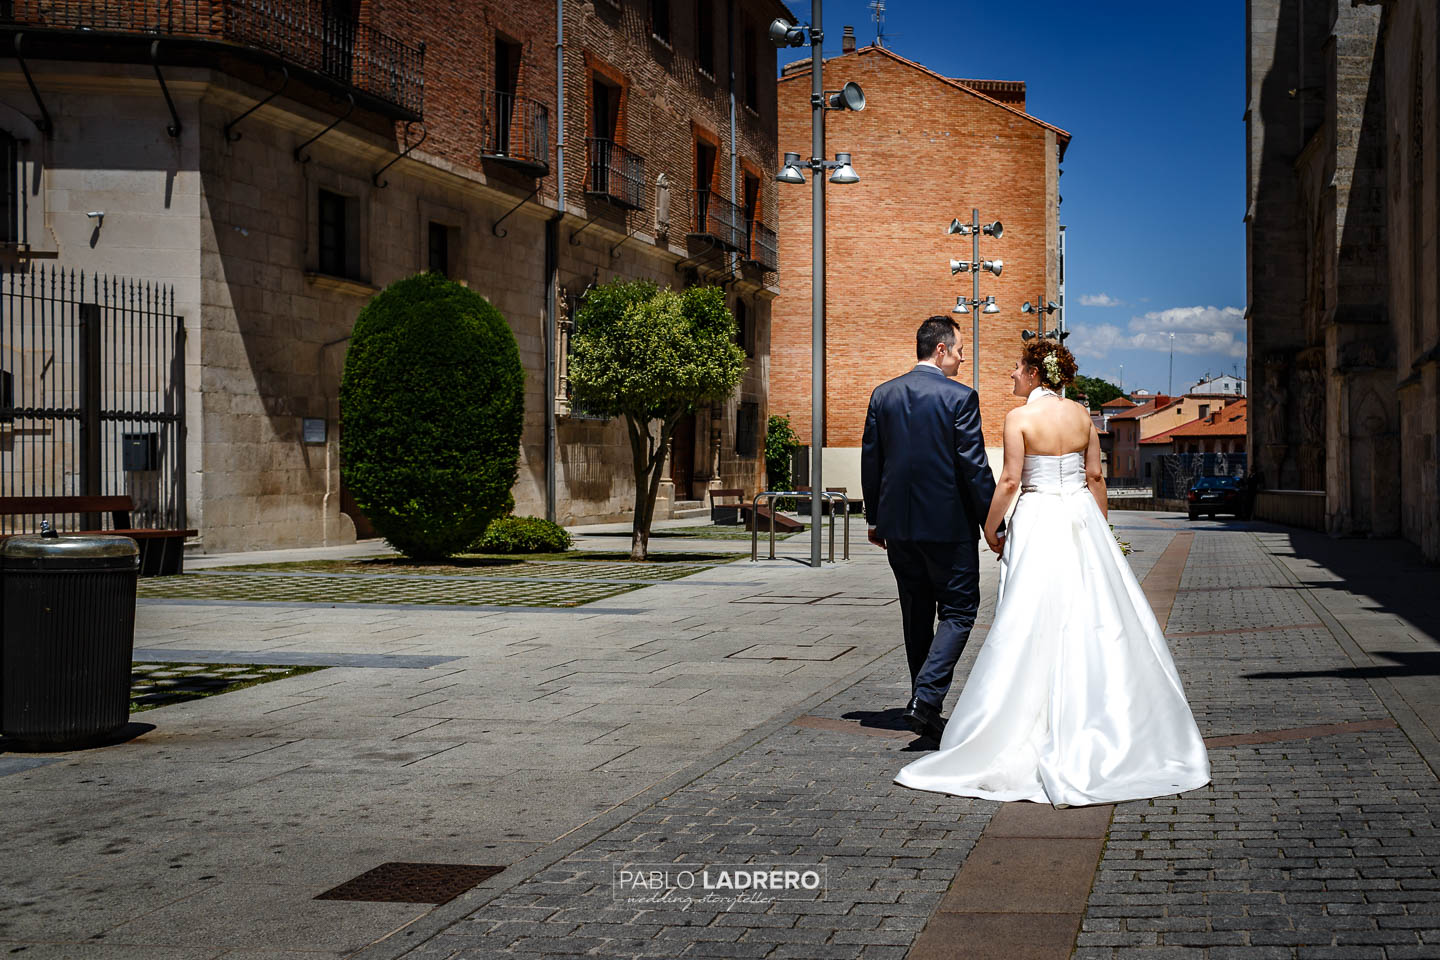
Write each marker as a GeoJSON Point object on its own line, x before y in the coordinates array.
{"type": "Point", "coordinates": [847, 40]}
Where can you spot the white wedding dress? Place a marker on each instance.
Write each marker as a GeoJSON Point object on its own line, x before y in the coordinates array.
{"type": "Point", "coordinates": [1074, 698]}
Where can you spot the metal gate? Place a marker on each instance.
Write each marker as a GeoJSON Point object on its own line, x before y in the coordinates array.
{"type": "Point", "coordinates": [92, 394]}
{"type": "Point", "coordinates": [1177, 470]}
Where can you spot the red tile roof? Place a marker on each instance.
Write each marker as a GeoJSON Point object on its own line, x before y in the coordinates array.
{"type": "Point", "coordinates": [1118, 402]}
{"type": "Point", "coordinates": [1229, 422]}
{"type": "Point", "coordinates": [1142, 410]}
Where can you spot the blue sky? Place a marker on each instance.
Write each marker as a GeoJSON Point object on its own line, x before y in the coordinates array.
{"type": "Point", "coordinates": [1154, 183]}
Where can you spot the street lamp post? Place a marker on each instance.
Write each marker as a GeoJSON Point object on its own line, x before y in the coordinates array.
{"type": "Point", "coordinates": [1042, 308]}
{"type": "Point", "coordinates": [974, 265]}
{"type": "Point", "coordinates": [850, 97]}
{"type": "Point", "coordinates": [1170, 387]}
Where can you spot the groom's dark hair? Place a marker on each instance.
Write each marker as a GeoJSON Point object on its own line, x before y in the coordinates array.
{"type": "Point", "coordinates": [933, 332]}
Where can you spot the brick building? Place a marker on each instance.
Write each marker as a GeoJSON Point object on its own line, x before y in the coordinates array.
{"type": "Point", "coordinates": [927, 148]}
{"type": "Point", "coordinates": [1343, 236]}
{"type": "Point", "coordinates": [261, 168]}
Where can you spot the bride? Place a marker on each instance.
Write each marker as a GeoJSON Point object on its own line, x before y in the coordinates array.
{"type": "Point", "coordinates": [1074, 698]}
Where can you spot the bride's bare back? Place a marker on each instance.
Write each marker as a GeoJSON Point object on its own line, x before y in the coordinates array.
{"type": "Point", "coordinates": [1049, 427]}
{"type": "Point", "coordinates": [1052, 426]}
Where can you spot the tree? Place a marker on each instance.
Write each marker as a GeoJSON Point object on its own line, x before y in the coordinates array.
{"type": "Point", "coordinates": [780, 446]}
{"type": "Point", "coordinates": [1097, 392]}
{"type": "Point", "coordinates": [431, 408]}
{"type": "Point", "coordinates": [652, 356]}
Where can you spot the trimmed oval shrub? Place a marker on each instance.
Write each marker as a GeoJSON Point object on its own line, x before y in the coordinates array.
{"type": "Point", "coordinates": [524, 535]}
{"type": "Point", "coordinates": [431, 409]}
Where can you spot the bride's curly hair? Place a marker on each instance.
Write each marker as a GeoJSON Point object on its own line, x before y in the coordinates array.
{"type": "Point", "coordinates": [1054, 361]}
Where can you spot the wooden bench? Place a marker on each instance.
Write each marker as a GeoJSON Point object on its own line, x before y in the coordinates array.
{"type": "Point", "coordinates": [731, 511]}
{"type": "Point", "coordinates": [162, 552]}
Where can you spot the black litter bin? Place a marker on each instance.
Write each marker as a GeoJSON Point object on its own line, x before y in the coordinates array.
{"type": "Point", "coordinates": [67, 635]}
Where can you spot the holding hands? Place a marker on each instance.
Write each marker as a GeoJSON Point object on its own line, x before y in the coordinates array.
{"type": "Point", "coordinates": [995, 539]}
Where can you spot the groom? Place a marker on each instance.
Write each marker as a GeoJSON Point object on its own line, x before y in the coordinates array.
{"type": "Point", "coordinates": [927, 486]}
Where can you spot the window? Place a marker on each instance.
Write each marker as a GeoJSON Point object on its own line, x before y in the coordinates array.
{"type": "Point", "coordinates": [10, 188]}
{"type": "Point", "coordinates": [752, 71]}
{"type": "Point", "coordinates": [439, 247]}
{"type": "Point", "coordinates": [605, 108]}
{"type": "Point", "coordinates": [660, 20]}
{"type": "Point", "coordinates": [1148, 466]}
{"type": "Point", "coordinates": [507, 84]}
{"type": "Point", "coordinates": [1204, 410]}
{"type": "Point", "coordinates": [705, 36]}
{"type": "Point", "coordinates": [751, 198]}
{"type": "Point", "coordinates": [704, 184]}
{"type": "Point", "coordinates": [337, 235]}
{"type": "Point", "coordinates": [744, 329]}
{"type": "Point", "coordinates": [747, 429]}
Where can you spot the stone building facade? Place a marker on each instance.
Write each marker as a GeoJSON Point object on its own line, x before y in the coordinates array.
{"type": "Point", "coordinates": [1343, 124]}
{"type": "Point", "coordinates": [279, 163]}
{"type": "Point", "coordinates": [927, 148]}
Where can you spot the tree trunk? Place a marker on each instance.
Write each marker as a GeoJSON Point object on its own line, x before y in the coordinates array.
{"type": "Point", "coordinates": [649, 464]}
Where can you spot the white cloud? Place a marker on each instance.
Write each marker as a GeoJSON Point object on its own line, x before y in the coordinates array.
{"type": "Point", "coordinates": [1098, 300]}
{"type": "Point", "coordinates": [1197, 330]}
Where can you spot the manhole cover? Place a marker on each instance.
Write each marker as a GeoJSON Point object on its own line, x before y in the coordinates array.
{"type": "Point", "coordinates": [412, 883]}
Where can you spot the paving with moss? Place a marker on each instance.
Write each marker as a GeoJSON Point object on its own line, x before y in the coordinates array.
{"type": "Point", "coordinates": [557, 580]}
{"type": "Point", "coordinates": [160, 684]}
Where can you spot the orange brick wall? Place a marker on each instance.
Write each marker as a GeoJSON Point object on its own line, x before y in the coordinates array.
{"type": "Point", "coordinates": [925, 152]}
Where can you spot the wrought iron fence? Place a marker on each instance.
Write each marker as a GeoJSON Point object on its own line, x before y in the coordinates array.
{"type": "Point", "coordinates": [764, 247]}
{"type": "Point", "coordinates": [311, 34]}
{"type": "Point", "coordinates": [717, 217]}
{"type": "Point", "coordinates": [615, 173]}
{"type": "Point", "coordinates": [1177, 470]}
{"type": "Point", "coordinates": [516, 129]}
{"type": "Point", "coordinates": [92, 393]}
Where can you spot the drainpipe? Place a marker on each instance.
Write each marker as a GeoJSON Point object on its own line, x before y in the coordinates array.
{"type": "Point", "coordinates": [730, 59]}
{"type": "Point", "coordinates": [552, 265]}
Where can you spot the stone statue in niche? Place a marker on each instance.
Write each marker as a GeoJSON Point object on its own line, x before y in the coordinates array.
{"type": "Point", "coordinates": [1309, 385]}
{"type": "Point", "coordinates": [662, 206]}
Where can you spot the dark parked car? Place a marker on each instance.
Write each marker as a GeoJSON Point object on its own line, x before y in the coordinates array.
{"type": "Point", "coordinates": [1212, 495]}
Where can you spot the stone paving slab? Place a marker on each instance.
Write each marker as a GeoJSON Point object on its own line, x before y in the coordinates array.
{"type": "Point", "coordinates": [1324, 846]}
{"type": "Point", "coordinates": [1311, 847]}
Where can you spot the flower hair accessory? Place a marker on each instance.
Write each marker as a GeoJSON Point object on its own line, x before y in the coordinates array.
{"type": "Point", "coordinates": [1052, 368]}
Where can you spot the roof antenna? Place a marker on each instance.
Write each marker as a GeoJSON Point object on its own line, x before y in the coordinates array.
{"type": "Point", "coordinates": [877, 13]}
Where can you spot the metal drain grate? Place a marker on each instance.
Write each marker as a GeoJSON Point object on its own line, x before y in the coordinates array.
{"type": "Point", "coordinates": [412, 883]}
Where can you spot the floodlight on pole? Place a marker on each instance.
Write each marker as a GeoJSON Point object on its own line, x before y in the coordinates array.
{"type": "Point", "coordinates": [783, 33]}
{"type": "Point", "coordinates": [1041, 308]}
{"type": "Point", "coordinates": [848, 97]}
{"type": "Point", "coordinates": [974, 229]}
{"type": "Point", "coordinates": [844, 173]}
{"type": "Point", "coordinates": [791, 172]}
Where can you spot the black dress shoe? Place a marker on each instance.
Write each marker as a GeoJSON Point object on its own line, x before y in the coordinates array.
{"type": "Point", "coordinates": [924, 719]}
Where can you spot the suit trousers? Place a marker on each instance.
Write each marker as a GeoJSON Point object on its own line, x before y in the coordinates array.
{"type": "Point", "coordinates": [935, 579]}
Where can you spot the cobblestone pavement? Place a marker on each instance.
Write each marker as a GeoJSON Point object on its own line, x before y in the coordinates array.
{"type": "Point", "coordinates": [1319, 847]}
{"type": "Point", "coordinates": [747, 713]}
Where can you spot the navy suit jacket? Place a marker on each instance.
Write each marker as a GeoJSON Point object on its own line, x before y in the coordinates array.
{"type": "Point", "coordinates": [923, 467]}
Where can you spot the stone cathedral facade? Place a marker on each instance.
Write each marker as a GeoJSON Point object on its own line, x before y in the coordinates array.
{"type": "Point", "coordinates": [1343, 260]}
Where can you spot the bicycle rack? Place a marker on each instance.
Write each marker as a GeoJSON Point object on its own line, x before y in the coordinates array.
{"type": "Point", "coordinates": [773, 495]}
